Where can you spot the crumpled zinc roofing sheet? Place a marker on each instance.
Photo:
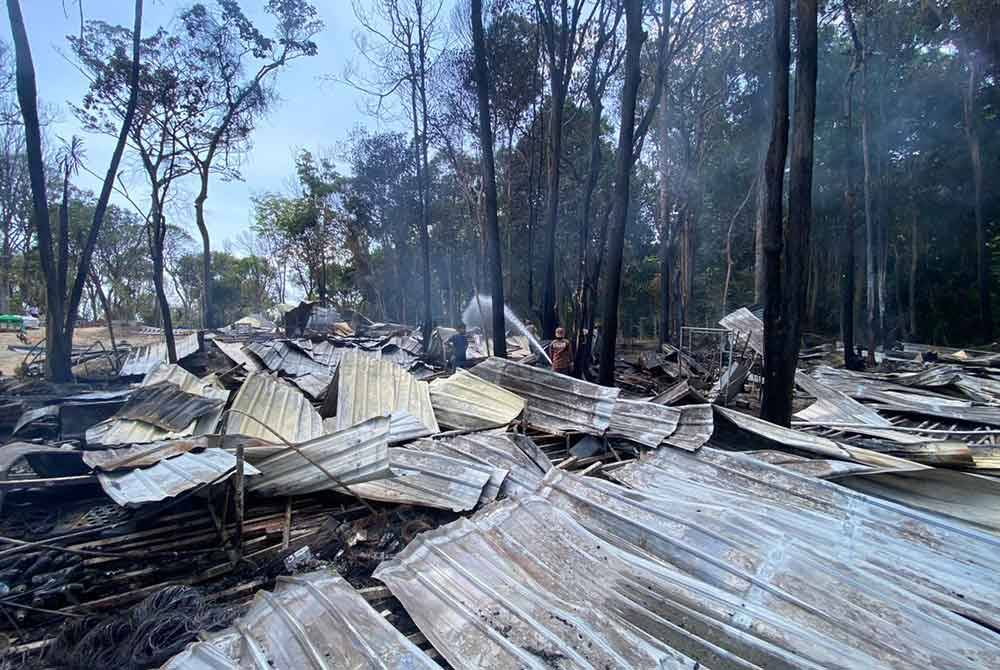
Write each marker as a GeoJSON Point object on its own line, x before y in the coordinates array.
{"type": "Point", "coordinates": [314, 620]}
{"type": "Point", "coordinates": [555, 403]}
{"type": "Point", "coordinates": [644, 422]}
{"type": "Point", "coordinates": [694, 428]}
{"type": "Point", "coordinates": [234, 351]}
{"type": "Point", "coordinates": [501, 450]}
{"type": "Point", "coordinates": [465, 401]}
{"type": "Point", "coordinates": [867, 545]}
{"type": "Point", "coordinates": [169, 477]}
{"type": "Point", "coordinates": [351, 456]}
{"type": "Point", "coordinates": [523, 586]}
{"type": "Point", "coordinates": [166, 406]}
{"type": "Point", "coordinates": [497, 476]}
{"type": "Point", "coordinates": [279, 406]}
{"type": "Point", "coordinates": [282, 356]}
{"type": "Point", "coordinates": [787, 571]}
{"type": "Point", "coordinates": [744, 321]}
{"type": "Point", "coordinates": [140, 455]}
{"type": "Point", "coordinates": [368, 387]}
{"type": "Point", "coordinates": [143, 359]}
{"type": "Point", "coordinates": [430, 480]}
{"type": "Point", "coordinates": [128, 431]}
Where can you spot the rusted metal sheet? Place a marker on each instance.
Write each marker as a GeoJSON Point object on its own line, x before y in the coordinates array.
{"type": "Point", "coordinates": [166, 406]}
{"type": "Point", "coordinates": [467, 402]}
{"type": "Point", "coordinates": [314, 621]}
{"type": "Point", "coordinates": [277, 405]}
{"type": "Point", "coordinates": [234, 351]}
{"type": "Point", "coordinates": [644, 422]}
{"type": "Point", "coordinates": [368, 387]}
{"type": "Point", "coordinates": [555, 403]}
{"type": "Point", "coordinates": [142, 455]}
{"type": "Point", "coordinates": [760, 558]}
{"type": "Point", "coordinates": [352, 456]}
{"type": "Point", "coordinates": [143, 359]}
{"type": "Point", "coordinates": [170, 477]}
{"type": "Point", "coordinates": [694, 427]}
{"type": "Point", "coordinates": [429, 480]}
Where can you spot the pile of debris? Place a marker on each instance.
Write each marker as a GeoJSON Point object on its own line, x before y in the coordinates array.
{"type": "Point", "coordinates": [338, 499]}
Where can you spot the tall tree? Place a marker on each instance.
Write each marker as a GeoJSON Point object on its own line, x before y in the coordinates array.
{"type": "Point", "coordinates": [773, 402]}
{"type": "Point", "coordinates": [634, 37]}
{"type": "Point", "coordinates": [847, 238]}
{"type": "Point", "coordinates": [972, 137]}
{"type": "Point", "coordinates": [563, 27]}
{"type": "Point", "coordinates": [222, 46]}
{"type": "Point", "coordinates": [490, 181]}
{"type": "Point", "coordinates": [61, 310]}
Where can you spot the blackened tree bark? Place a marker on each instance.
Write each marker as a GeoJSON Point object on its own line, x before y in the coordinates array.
{"type": "Point", "coordinates": [664, 170]}
{"type": "Point", "coordinates": [778, 398]}
{"type": "Point", "coordinates": [634, 37]}
{"type": "Point", "coordinates": [972, 137]}
{"type": "Point", "coordinates": [60, 316]}
{"type": "Point", "coordinates": [773, 405]}
{"type": "Point", "coordinates": [490, 181]}
{"type": "Point", "coordinates": [847, 240]}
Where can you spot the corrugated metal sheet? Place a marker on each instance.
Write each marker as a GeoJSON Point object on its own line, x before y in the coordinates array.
{"type": "Point", "coordinates": [501, 450]}
{"type": "Point", "coordinates": [312, 621]}
{"type": "Point", "coordinates": [169, 477]}
{"type": "Point", "coordinates": [644, 422]}
{"type": "Point", "coordinates": [314, 386]}
{"type": "Point", "coordinates": [467, 402]}
{"type": "Point", "coordinates": [234, 351]}
{"type": "Point", "coordinates": [555, 403]}
{"type": "Point", "coordinates": [745, 323]}
{"type": "Point", "coordinates": [369, 387]}
{"type": "Point", "coordinates": [497, 477]}
{"type": "Point", "coordinates": [351, 456]}
{"type": "Point", "coordinates": [282, 356]}
{"type": "Point", "coordinates": [694, 428]}
{"type": "Point", "coordinates": [47, 415]}
{"type": "Point", "coordinates": [324, 352]}
{"type": "Point", "coordinates": [279, 406]}
{"type": "Point", "coordinates": [143, 359]}
{"type": "Point", "coordinates": [127, 431]}
{"type": "Point", "coordinates": [166, 406]}
{"type": "Point", "coordinates": [810, 467]}
{"type": "Point", "coordinates": [141, 455]}
{"type": "Point", "coordinates": [429, 480]}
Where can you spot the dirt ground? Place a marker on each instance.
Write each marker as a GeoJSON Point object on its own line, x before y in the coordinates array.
{"type": "Point", "coordinates": [9, 360]}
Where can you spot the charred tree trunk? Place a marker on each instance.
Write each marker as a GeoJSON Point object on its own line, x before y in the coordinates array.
{"type": "Point", "coordinates": [976, 161]}
{"type": "Point", "coordinates": [206, 251]}
{"type": "Point", "coordinates": [490, 182]}
{"type": "Point", "coordinates": [847, 239]}
{"type": "Point", "coordinates": [778, 398]}
{"type": "Point", "coordinates": [634, 38]}
{"type": "Point", "coordinates": [774, 405]}
{"type": "Point", "coordinates": [914, 257]}
{"type": "Point", "coordinates": [548, 305]}
{"type": "Point", "coordinates": [664, 170]}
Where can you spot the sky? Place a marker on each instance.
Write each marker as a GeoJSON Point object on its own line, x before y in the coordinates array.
{"type": "Point", "coordinates": [312, 112]}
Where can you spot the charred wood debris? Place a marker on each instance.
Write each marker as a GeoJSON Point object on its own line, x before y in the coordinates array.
{"type": "Point", "coordinates": [153, 514]}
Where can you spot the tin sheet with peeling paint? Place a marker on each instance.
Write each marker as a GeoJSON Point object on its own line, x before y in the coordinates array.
{"type": "Point", "coordinates": [277, 405]}
{"type": "Point", "coordinates": [429, 480]}
{"type": "Point", "coordinates": [711, 562]}
{"type": "Point", "coordinates": [467, 402]}
{"type": "Point", "coordinates": [351, 456]}
{"type": "Point", "coordinates": [369, 387]}
{"type": "Point", "coordinates": [314, 621]}
{"type": "Point", "coordinates": [555, 403]}
{"type": "Point", "coordinates": [143, 359]}
{"type": "Point", "coordinates": [170, 477]}
{"type": "Point", "coordinates": [644, 422]}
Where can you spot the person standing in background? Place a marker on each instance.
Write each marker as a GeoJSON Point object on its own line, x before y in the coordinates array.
{"type": "Point", "coordinates": [561, 353]}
